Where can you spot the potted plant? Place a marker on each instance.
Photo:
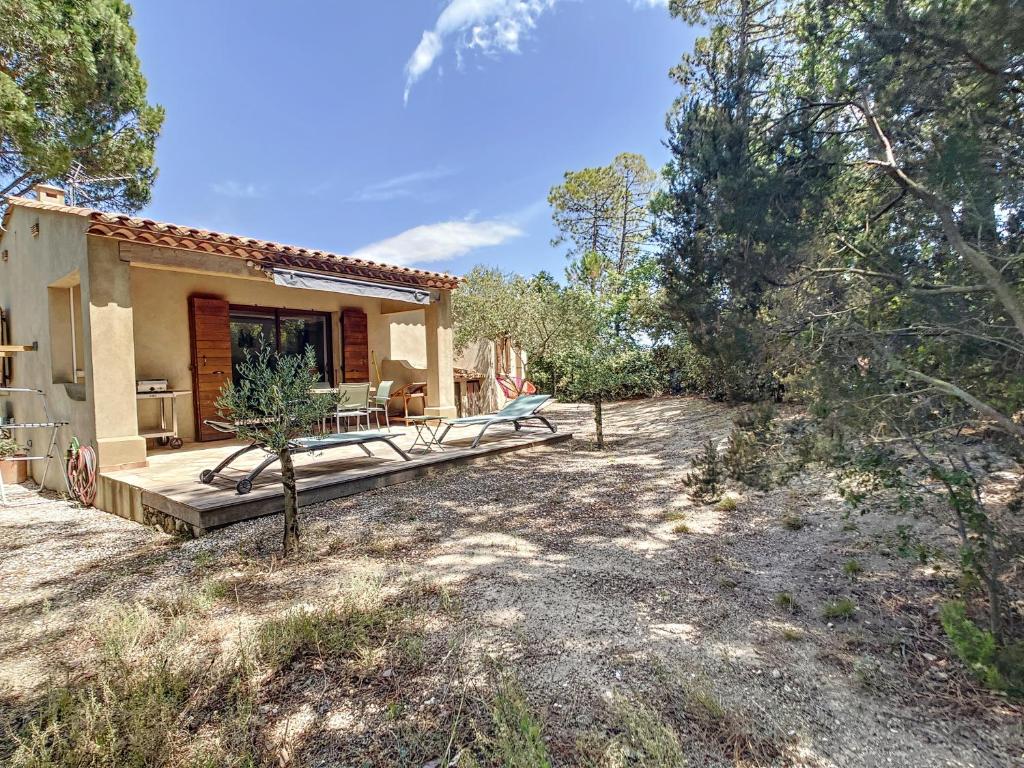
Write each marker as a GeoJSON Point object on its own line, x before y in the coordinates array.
{"type": "Point", "coordinates": [12, 471]}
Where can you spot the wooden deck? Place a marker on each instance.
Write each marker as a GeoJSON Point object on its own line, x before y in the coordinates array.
{"type": "Point", "coordinates": [170, 484]}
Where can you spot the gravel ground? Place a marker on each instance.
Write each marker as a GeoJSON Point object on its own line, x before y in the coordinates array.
{"type": "Point", "coordinates": [571, 566]}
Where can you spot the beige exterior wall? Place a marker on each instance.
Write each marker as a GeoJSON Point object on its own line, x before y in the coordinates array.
{"type": "Point", "coordinates": [131, 322]}
{"type": "Point", "coordinates": [482, 357]}
{"type": "Point", "coordinates": [56, 256]}
{"type": "Point", "coordinates": [162, 333]}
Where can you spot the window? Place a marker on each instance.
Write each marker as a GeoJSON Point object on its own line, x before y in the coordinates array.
{"type": "Point", "coordinates": [66, 338]}
{"type": "Point", "coordinates": [287, 332]}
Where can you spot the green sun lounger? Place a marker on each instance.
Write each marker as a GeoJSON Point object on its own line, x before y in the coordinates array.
{"type": "Point", "coordinates": [515, 413]}
{"type": "Point", "coordinates": [312, 444]}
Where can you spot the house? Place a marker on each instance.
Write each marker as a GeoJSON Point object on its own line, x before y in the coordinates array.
{"type": "Point", "coordinates": [483, 363]}
{"type": "Point", "coordinates": [111, 300]}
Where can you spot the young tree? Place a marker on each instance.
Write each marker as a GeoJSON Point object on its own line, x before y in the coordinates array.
{"type": "Point", "coordinates": [72, 93]}
{"type": "Point", "coordinates": [740, 200]}
{"type": "Point", "coordinates": [605, 215]}
{"type": "Point", "coordinates": [273, 404]}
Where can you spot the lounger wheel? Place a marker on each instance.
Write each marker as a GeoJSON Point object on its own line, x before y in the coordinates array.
{"type": "Point", "coordinates": [161, 441]}
{"type": "Point", "coordinates": [206, 476]}
{"type": "Point", "coordinates": [176, 443]}
{"type": "Point", "coordinates": [244, 485]}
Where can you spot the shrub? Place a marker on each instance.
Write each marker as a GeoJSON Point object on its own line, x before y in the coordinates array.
{"type": "Point", "coordinates": [518, 735]}
{"type": "Point", "coordinates": [843, 608]}
{"type": "Point", "coordinates": [786, 602]}
{"type": "Point", "coordinates": [750, 454]}
{"type": "Point", "coordinates": [727, 504]}
{"type": "Point", "coordinates": [852, 568]}
{"type": "Point", "coordinates": [704, 482]}
{"type": "Point", "coordinates": [1001, 668]}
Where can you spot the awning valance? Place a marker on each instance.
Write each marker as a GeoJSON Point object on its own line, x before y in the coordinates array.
{"type": "Point", "coordinates": [317, 282]}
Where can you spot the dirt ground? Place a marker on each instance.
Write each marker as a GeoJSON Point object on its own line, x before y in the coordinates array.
{"type": "Point", "coordinates": [588, 576]}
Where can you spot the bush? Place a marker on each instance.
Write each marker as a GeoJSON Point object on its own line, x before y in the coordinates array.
{"type": "Point", "coordinates": [750, 453]}
{"type": "Point", "coordinates": [704, 482]}
{"type": "Point", "coordinates": [720, 377]}
{"type": "Point", "coordinates": [1000, 668]}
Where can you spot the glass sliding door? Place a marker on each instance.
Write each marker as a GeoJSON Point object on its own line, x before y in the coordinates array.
{"type": "Point", "coordinates": [284, 331]}
{"type": "Point", "coordinates": [300, 331]}
{"type": "Point", "coordinates": [250, 331]}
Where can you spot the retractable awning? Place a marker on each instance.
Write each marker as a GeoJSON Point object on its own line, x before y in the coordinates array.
{"type": "Point", "coordinates": [316, 282]}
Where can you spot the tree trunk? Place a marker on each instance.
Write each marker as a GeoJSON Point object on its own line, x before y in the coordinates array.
{"type": "Point", "coordinates": [599, 423]}
{"type": "Point", "coordinates": [291, 504]}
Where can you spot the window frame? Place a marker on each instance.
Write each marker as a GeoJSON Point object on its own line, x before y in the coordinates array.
{"type": "Point", "coordinates": [282, 312]}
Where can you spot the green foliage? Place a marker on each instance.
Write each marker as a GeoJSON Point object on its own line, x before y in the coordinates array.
{"type": "Point", "coordinates": [140, 702]}
{"type": "Point", "coordinates": [273, 404]}
{"type": "Point", "coordinates": [787, 602]}
{"type": "Point", "coordinates": [644, 738]}
{"type": "Point", "coordinates": [347, 632]}
{"type": "Point", "coordinates": [852, 568]}
{"type": "Point", "coordinates": [8, 446]}
{"type": "Point", "coordinates": [604, 214]}
{"type": "Point", "coordinates": [843, 608]}
{"type": "Point", "coordinates": [274, 401]}
{"type": "Point", "coordinates": [704, 482]}
{"type": "Point", "coordinates": [752, 453]}
{"type": "Point", "coordinates": [72, 92]}
{"type": "Point", "coordinates": [843, 213]}
{"type": "Point", "coordinates": [519, 737]}
{"type": "Point", "coordinates": [727, 504]}
{"type": "Point", "coordinates": [998, 667]}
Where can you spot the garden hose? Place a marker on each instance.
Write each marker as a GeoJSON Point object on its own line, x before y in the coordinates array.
{"type": "Point", "coordinates": [82, 472]}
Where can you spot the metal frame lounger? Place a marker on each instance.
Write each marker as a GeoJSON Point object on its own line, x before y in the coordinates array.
{"type": "Point", "coordinates": [519, 410]}
{"type": "Point", "coordinates": [299, 445]}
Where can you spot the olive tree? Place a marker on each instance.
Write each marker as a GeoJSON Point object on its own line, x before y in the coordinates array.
{"type": "Point", "coordinates": [273, 404]}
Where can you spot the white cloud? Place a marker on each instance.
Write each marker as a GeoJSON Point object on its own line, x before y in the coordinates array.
{"type": "Point", "coordinates": [438, 242]}
{"type": "Point", "coordinates": [488, 26]}
{"type": "Point", "coordinates": [231, 188]}
{"type": "Point", "coordinates": [400, 186]}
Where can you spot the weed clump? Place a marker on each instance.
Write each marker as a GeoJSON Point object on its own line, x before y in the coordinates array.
{"type": "Point", "coordinates": [787, 602]}
{"type": "Point", "coordinates": [843, 608]}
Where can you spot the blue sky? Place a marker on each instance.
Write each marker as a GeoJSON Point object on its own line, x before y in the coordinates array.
{"type": "Point", "coordinates": [423, 133]}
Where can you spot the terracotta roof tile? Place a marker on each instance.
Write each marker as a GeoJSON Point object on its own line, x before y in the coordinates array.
{"type": "Point", "coordinates": [132, 229]}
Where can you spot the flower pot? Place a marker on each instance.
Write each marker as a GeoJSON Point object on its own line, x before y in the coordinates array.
{"type": "Point", "coordinates": [13, 472]}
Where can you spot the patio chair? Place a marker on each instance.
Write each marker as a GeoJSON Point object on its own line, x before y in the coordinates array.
{"type": "Point", "coordinates": [380, 401]}
{"type": "Point", "coordinates": [515, 413]}
{"type": "Point", "coordinates": [416, 390]}
{"type": "Point", "coordinates": [299, 445]}
{"type": "Point", "coordinates": [353, 403]}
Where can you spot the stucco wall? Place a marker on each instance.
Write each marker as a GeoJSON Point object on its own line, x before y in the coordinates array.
{"type": "Point", "coordinates": [57, 255]}
{"type": "Point", "coordinates": [162, 335]}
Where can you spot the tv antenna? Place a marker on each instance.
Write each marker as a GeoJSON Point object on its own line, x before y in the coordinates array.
{"type": "Point", "coordinates": [77, 182]}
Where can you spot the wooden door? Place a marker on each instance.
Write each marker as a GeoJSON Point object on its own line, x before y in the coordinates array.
{"type": "Point", "coordinates": [355, 346]}
{"type": "Point", "coordinates": [210, 332]}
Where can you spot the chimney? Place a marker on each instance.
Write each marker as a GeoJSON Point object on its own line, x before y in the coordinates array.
{"type": "Point", "coordinates": [46, 193]}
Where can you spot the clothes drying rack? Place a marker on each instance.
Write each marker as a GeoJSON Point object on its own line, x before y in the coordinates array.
{"type": "Point", "coordinates": [46, 423]}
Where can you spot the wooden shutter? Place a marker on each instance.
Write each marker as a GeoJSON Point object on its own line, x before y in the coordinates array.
{"type": "Point", "coordinates": [210, 331]}
{"type": "Point", "coordinates": [355, 346]}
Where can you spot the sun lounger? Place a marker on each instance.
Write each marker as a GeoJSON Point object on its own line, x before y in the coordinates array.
{"type": "Point", "coordinates": [299, 445]}
{"type": "Point", "coordinates": [515, 413]}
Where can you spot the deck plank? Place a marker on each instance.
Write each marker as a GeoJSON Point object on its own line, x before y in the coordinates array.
{"type": "Point", "coordinates": [171, 484]}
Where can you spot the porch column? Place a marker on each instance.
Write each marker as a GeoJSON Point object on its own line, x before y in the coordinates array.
{"type": "Point", "coordinates": [109, 346]}
{"type": "Point", "coordinates": [440, 357]}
